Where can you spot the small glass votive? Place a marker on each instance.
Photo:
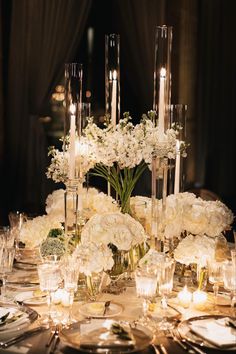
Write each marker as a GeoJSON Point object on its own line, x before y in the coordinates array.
{"type": "Point", "coordinates": [185, 297]}
{"type": "Point", "coordinates": [199, 299]}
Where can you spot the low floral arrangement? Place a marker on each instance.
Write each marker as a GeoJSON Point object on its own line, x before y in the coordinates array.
{"type": "Point", "coordinates": [195, 250]}
{"type": "Point", "coordinates": [34, 232]}
{"type": "Point", "coordinates": [152, 258]}
{"type": "Point", "coordinates": [93, 202]}
{"type": "Point", "coordinates": [117, 229]}
{"type": "Point", "coordinates": [185, 213]}
{"type": "Point", "coordinates": [92, 258]}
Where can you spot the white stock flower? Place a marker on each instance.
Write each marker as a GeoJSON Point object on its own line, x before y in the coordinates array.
{"type": "Point", "coordinates": [34, 231]}
{"type": "Point", "coordinates": [92, 258]}
{"type": "Point", "coordinates": [195, 249]}
{"type": "Point", "coordinates": [119, 229]}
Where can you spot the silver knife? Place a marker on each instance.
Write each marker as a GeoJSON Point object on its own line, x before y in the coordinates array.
{"type": "Point", "coordinates": [21, 337]}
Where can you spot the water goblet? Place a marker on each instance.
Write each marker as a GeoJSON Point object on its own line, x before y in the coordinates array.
{"type": "Point", "coordinates": [165, 281]}
{"type": "Point", "coordinates": [7, 255]}
{"type": "Point", "coordinates": [229, 279]}
{"type": "Point", "coordinates": [49, 280]}
{"type": "Point", "coordinates": [146, 286]}
{"type": "Point", "coordinates": [215, 276]}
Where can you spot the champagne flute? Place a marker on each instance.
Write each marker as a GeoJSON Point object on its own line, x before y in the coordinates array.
{"type": "Point", "coordinates": [6, 263]}
{"type": "Point", "coordinates": [165, 280]}
{"type": "Point", "coordinates": [49, 280]}
{"type": "Point", "coordinates": [215, 276]}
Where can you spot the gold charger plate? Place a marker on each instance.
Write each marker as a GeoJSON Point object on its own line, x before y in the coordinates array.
{"type": "Point", "coordinates": [71, 337]}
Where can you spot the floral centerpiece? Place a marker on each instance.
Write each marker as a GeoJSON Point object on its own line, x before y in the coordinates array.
{"type": "Point", "coordinates": [124, 151]}
{"type": "Point", "coordinates": [118, 154]}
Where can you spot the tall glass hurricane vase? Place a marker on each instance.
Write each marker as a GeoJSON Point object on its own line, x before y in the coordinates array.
{"type": "Point", "coordinates": [162, 75]}
{"type": "Point", "coordinates": [72, 143]}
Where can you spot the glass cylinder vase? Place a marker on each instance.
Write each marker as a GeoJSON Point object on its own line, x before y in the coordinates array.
{"type": "Point", "coordinates": [112, 78]}
{"type": "Point", "coordinates": [159, 193]}
{"type": "Point", "coordinates": [176, 178]}
{"type": "Point", "coordinates": [73, 126]}
{"type": "Point", "coordinates": [162, 76]}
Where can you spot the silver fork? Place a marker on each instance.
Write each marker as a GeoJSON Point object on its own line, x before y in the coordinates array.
{"type": "Point", "coordinates": [56, 340]}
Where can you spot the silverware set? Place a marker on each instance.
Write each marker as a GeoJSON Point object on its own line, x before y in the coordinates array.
{"type": "Point", "coordinates": [22, 336]}
{"type": "Point", "coordinates": [183, 343]}
{"type": "Point", "coordinates": [54, 339]}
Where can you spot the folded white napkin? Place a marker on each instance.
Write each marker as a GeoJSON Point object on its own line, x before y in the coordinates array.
{"type": "Point", "coordinates": [215, 331]}
{"type": "Point", "coordinates": [99, 333]}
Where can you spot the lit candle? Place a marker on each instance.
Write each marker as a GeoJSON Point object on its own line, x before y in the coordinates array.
{"type": "Point", "coordinates": [161, 107]}
{"type": "Point", "coordinates": [177, 168]}
{"type": "Point", "coordinates": [199, 299]}
{"type": "Point", "coordinates": [185, 297]}
{"type": "Point", "coordinates": [114, 98]}
{"type": "Point", "coordinates": [72, 142]}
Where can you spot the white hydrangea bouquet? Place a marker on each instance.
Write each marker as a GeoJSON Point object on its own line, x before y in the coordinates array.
{"type": "Point", "coordinates": [114, 228]}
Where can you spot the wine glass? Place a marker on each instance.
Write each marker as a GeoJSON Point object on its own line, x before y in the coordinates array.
{"type": "Point", "coordinates": [229, 279]}
{"type": "Point", "coordinates": [215, 276]}
{"type": "Point", "coordinates": [165, 281]}
{"type": "Point", "coordinates": [49, 280]}
{"type": "Point", "coordinates": [7, 255]}
{"type": "Point", "coordinates": [146, 286]}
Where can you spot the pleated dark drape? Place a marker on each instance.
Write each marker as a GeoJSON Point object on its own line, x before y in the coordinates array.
{"type": "Point", "coordinates": [44, 35]}
{"type": "Point", "coordinates": [216, 118]}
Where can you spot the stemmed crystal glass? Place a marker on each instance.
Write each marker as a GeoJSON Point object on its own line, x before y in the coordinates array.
{"type": "Point", "coordinates": [16, 219]}
{"type": "Point", "coordinates": [146, 286]}
{"type": "Point", "coordinates": [7, 255]}
{"type": "Point", "coordinates": [165, 281]}
{"type": "Point", "coordinates": [215, 276]}
{"type": "Point", "coordinates": [70, 276]}
{"type": "Point", "coordinates": [49, 280]}
{"type": "Point", "coordinates": [229, 279]}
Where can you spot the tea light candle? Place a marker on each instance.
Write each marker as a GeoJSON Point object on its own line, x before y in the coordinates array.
{"type": "Point", "coordinates": [185, 297]}
{"type": "Point", "coordinates": [199, 299]}
{"type": "Point", "coordinates": [65, 298]}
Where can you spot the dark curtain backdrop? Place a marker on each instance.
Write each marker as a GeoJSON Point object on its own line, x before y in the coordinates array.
{"type": "Point", "coordinates": [216, 118]}
{"type": "Point", "coordinates": [44, 35]}
{"type": "Point", "coordinates": [136, 22]}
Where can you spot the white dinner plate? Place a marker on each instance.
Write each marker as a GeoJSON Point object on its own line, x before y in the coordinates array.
{"type": "Point", "coordinates": [24, 315]}
{"type": "Point", "coordinates": [96, 309]}
{"type": "Point", "coordinates": [29, 298]}
{"type": "Point", "coordinates": [190, 335]}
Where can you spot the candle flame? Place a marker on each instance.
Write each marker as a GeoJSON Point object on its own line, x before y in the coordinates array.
{"type": "Point", "coordinates": [72, 108]}
{"type": "Point", "coordinates": [114, 75]}
{"type": "Point", "coordinates": [163, 73]}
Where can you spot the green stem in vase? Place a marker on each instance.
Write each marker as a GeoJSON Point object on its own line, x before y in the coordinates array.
{"type": "Point", "coordinates": [122, 181]}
